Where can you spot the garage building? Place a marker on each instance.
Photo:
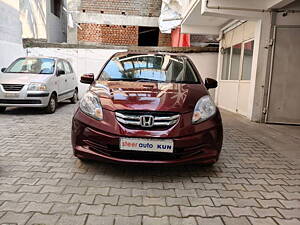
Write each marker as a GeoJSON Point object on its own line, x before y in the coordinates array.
{"type": "Point", "coordinates": [258, 64]}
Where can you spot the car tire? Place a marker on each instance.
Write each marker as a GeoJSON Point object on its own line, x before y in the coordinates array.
{"type": "Point", "coordinates": [74, 99]}
{"type": "Point", "coordinates": [2, 109]}
{"type": "Point", "coordinates": [51, 108]}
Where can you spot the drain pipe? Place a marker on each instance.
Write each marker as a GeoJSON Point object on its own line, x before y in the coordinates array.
{"type": "Point", "coordinates": [285, 11]}
{"type": "Point", "coordinates": [234, 8]}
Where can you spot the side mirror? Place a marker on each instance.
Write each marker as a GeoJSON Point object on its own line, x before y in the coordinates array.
{"type": "Point", "coordinates": [211, 83]}
{"type": "Point", "coordinates": [3, 70]}
{"type": "Point", "coordinates": [60, 72]}
{"type": "Point", "coordinates": [87, 78]}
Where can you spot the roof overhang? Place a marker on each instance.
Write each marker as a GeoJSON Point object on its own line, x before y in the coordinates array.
{"type": "Point", "coordinates": [196, 23]}
{"type": "Point", "coordinates": [209, 16]}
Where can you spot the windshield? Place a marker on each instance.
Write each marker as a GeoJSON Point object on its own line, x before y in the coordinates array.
{"type": "Point", "coordinates": [32, 65]}
{"type": "Point", "coordinates": [149, 68]}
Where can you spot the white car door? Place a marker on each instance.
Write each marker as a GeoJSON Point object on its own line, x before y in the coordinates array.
{"type": "Point", "coordinates": [71, 78]}
{"type": "Point", "coordinates": [62, 80]}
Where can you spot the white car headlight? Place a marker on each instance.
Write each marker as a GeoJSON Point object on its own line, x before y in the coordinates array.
{"type": "Point", "coordinates": [37, 87]}
{"type": "Point", "coordinates": [204, 109]}
{"type": "Point", "coordinates": [90, 105]}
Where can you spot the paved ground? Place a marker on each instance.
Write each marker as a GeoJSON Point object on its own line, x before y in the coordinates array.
{"type": "Point", "coordinates": [42, 183]}
{"type": "Point", "coordinates": [283, 139]}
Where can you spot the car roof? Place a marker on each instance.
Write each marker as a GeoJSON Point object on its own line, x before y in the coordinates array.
{"type": "Point", "coordinates": [43, 57]}
{"type": "Point", "coordinates": [124, 54]}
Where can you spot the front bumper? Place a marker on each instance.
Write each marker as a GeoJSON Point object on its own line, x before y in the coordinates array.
{"type": "Point", "coordinates": [90, 143]}
{"type": "Point", "coordinates": [23, 98]}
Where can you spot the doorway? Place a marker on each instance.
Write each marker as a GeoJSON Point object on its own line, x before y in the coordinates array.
{"type": "Point", "coordinates": [235, 80]}
{"type": "Point", "coordinates": [148, 36]}
{"type": "Point", "coordinates": [283, 95]}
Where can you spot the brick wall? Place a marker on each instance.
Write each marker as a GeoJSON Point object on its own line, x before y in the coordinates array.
{"type": "Point", "coordinates": [108, 34]}
{"type": "Point", "coordinates": [164, 39]}
{"type": "Point", "coordinates": [204, 38]}
{"type": "Point", "coordinates": [115, 35]}
{"type": "Point", "coordinates": [149, 8]}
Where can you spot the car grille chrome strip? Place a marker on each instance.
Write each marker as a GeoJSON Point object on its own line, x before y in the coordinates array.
{"type": "Point", "coordinates": [128, 121]}
{"type": "Point", "coordinates": [12, 87]}
{"type": "Point", "coordinates": [129, 117]}
{"type": "Point", "coordinates": [135, 120]}
{"type": "Point", "coordinates": [156, 118]}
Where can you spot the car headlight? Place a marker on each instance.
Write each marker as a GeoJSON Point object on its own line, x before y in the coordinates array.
{"type": "Point", "coordinates": [37, 87]}
{"type": "Point", "coordinates": [204, 109]}
{"type": "Point", "coordinates": [90, 105]}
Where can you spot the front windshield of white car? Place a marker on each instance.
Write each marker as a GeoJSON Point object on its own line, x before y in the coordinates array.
{"type": "Point", "coordinates": [32, 65]}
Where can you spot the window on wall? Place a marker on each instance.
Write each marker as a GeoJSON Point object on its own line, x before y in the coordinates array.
{"type": "Point", "coordinates": [56, 7]}
{"type": "Point", "coordinates": [236, 56]}
{"type": "Point", "coordinates": [226, 63]}
{"type": "Point", "coordinates": [247, 60]}
{"type": "Point", "coordinates": [235, 62]}
{"type": "Point", "coordinates": [148, 36]}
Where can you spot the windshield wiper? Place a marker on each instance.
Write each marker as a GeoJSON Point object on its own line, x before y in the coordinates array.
{"type": "Point", "coordinates": [185, 82]}
{"type": "Point", "coordinates": [147, 80]}
{"type": "Point", "coordinates": [120, 79]}
{"type": "Point", "coordinates": [135, 80]}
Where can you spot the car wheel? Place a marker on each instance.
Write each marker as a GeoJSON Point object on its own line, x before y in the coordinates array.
{"type": "Point", "coordinates": [74, 99]}
{"type": "Point", "coordinates": [2, 109]}
{"type": "Point", "coordinates": [52, 104]}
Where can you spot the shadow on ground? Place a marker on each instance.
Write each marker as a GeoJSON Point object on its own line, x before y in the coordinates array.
{"type": "Point", "coordinates": [31, 111]}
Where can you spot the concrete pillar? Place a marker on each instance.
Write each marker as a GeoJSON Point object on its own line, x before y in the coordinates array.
{"type": "Point", "coordinates": [259, 91]}
{"type": "Point", "coordinates": [73, 6]}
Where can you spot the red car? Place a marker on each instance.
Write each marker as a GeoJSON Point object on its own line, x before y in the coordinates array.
{"type": "Point", "coordinates": [148, 109]}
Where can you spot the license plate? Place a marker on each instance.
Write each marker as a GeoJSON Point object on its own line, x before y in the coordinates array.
{"type": "Point", "coordinates": [147, 145]}
{"type": "Point", "coordinates": [14, 95]}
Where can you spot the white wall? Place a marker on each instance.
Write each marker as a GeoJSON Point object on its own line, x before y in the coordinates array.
{"type": "Point", "coordinates": [39, 23]}
{"type": "Point", "coordinates": [56, 26]}
{"type": "Point", "coordinates": [9, 51]}
{"type": "Point", "coordinates": [92, 60]}
{"type": "Point", "coordinates": [207, 64]}
{"type": "Point", "coordinates": [10, 32]}
{"type": "Point", "coordinates": [34, 18]}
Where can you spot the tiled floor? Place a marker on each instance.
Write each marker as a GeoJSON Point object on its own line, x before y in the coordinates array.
{"type": "Point", "coordinates": [42, 183]}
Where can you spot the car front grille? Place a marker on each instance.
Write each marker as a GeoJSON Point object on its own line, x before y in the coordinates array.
{"type": "Point", "coordinates": [12, 87]}
{"type": "Point", "coordinates": [153, 120]}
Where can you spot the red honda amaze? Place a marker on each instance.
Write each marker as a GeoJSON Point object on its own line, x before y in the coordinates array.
{"type": "Point", "coordinates": [148, 109]}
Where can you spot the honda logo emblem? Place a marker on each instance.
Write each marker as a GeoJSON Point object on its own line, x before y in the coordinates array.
{"type": "Point", "coordinates": [147, 121]}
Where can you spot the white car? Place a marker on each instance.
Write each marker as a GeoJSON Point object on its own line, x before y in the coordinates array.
{"type": "Point", "coordinates": [37, 82]}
